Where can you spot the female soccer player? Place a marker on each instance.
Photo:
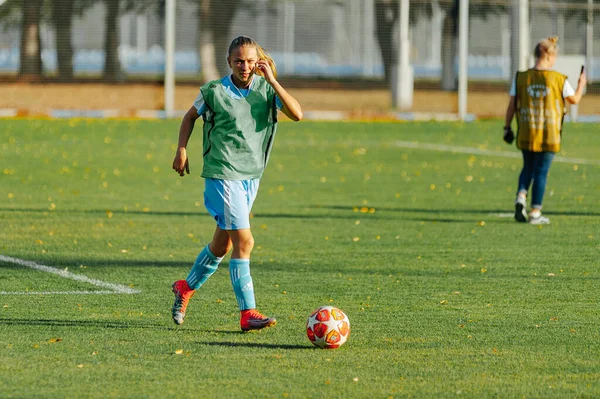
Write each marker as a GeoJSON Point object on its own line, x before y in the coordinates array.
{"type": "Point", "coordinates": [538, 98]}
{"type": "Point", "coordinates": [240, 120]}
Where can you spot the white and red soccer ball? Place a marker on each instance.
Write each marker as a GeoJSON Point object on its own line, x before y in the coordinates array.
{"type": "Point", "coordinates": [328, 327]}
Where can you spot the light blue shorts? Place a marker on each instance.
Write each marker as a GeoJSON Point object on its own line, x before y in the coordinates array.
{"type": "Point", "coordinates": [230, 201]}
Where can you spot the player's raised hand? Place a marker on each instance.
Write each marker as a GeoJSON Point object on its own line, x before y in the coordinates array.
{"type": "Point", "coordinates": [582, 78]}
{"type": "Point", "coordinates": [264, 67]}
{"type": "Point", "coordinates": [181, 162]}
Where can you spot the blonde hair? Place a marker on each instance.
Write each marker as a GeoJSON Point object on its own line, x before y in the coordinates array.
{"type": "Point", "coordinates": [546, 47]}
{"type": "Point", "coordinates": [262, 54]}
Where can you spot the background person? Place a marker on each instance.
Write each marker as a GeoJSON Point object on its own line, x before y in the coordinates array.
{"type": "Point", "coordinates": [537, 98]}
{"type": "Point", "coordinates": [240, 121]}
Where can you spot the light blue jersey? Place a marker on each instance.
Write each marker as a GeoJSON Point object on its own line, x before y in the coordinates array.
{"type": "Point", "coordinates": [233, 91]}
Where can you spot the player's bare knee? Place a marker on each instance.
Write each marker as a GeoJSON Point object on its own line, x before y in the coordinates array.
{"type": "Point", "coordinates": [247, 244]}
{"type": "Point", "coordinates": [220, 249]}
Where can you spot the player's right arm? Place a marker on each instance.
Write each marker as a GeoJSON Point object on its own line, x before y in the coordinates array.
{"type": "Point", "coordinates": [510, 112]}
{"type": "Point", "coordinates": [181, 163]}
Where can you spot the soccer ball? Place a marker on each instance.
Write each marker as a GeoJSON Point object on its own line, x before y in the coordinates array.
{"type": "Point", "coordinates": [328, 327]}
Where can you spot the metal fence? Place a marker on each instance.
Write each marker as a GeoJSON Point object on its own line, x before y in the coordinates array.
{"type": "Point", "coordinates": [123, 40]}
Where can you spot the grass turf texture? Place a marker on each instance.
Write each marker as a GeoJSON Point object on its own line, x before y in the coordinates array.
{"type": "Point", "coordinates": [447, 295]}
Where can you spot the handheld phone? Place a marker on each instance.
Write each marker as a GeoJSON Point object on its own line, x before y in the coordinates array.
{"type": "Point", "coordinates": [582, 69]}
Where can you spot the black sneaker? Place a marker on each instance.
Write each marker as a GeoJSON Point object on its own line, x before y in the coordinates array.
{"type": "Point", "coordinates": [520, 210]}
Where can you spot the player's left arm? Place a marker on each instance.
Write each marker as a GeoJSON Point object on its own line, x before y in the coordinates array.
{"type": "Point", "coordinates": [575, 98]}
{"type": "Point", "coordinates": [290, 106]}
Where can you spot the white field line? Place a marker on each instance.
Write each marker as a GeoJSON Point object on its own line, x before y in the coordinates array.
{"type": "Point", "coordinates": [111, 288]}
{"type": "Point", "coordinates": [502, 215]}
{"type": "Point", "coordinates": [478, 151]}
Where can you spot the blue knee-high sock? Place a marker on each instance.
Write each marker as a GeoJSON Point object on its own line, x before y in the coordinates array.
{"type": "Point", "coordinates": [239, 271]}
{"type": "Point", "coordinates": [206, 264]}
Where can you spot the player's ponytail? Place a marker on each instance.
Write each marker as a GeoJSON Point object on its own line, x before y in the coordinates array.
{"type": "Point", "coordinates": [262, 54]}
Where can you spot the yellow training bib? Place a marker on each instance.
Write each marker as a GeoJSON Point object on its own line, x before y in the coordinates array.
{"type": "Point", "coordinates": [540, 109]}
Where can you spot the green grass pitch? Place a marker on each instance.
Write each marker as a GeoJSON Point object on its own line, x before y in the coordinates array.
{"type": "Point", "coordinates": [447, 295]}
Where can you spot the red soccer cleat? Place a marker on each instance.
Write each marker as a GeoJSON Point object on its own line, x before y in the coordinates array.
{"type": "Point", "coordinates": [183, 293]}
{"type": "Point", "coordinates": [252, 319]}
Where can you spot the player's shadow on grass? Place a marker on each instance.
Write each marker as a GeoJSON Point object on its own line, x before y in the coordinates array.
{"type": "Point", "coordinates": [80, 323]}
{"type": "Point", "coordinates": [96, 262]}
{"type": "Point", "coordinates": [259, 215]}
{"type": "Point", "coordinates": [256, 345]}
{"type": "Point", "coordinates": [432, 217]}
{"type": "Point", "coordinates": [448, 211]}
{"type": "Point", "coordinates": [104, 212]}
{"type": "Point", "coordinates": [350, 215]}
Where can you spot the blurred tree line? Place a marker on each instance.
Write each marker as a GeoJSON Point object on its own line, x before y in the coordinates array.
{"type": "Point", "coordinates": [214, 19]}
{"type": "Point", "coordinates": [29, 15]}
{"type": "Point", "coordinates": [387, 14]}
